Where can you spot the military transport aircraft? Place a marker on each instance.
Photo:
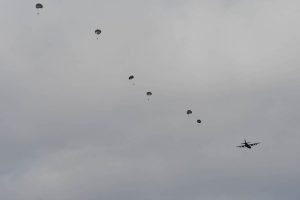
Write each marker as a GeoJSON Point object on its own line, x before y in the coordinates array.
{"type": "Point", "coordinates": [248, 145]}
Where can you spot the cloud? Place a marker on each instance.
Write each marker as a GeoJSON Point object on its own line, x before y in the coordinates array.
{"type": "Point", "coordinates": [74, 127]}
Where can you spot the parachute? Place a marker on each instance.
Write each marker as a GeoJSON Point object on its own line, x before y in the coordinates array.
{"type": "Point", "coordinates": [188, 112]}
{"type": "Point", "coordinates": [38, 6]}
{"type": "Point", "coordinates": [98, 32]}
{"type": "Point", "coordinates": [131, 79]}
{"type": "Point", "coordinates": [198, 121]}
{"type": "Point", "coordinates": [149, 94]}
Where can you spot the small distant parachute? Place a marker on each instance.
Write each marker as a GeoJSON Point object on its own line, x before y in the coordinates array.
{"type": "Point", "coordinates": [199, 121]}
{"type": "Point", "coordinates": [188, 112]}
{"type": "Point", "coordinates": [38, 6]}
{"type": "Point", "coordinates": [98, 32]}
{"type": "Point", "coordinates": [131, 79]}
{"type": "Point", "coordinates": [149, 94]}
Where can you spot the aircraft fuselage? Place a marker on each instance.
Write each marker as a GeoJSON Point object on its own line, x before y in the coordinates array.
{"type": "Point", "coordinates": [247, 145]}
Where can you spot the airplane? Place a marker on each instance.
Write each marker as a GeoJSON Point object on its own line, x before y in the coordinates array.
{"type": "Point", "coordinates": [248, 145]}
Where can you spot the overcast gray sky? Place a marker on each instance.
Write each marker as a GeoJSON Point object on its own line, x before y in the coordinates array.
{"type": "Point", "coordinates": [73, 127]}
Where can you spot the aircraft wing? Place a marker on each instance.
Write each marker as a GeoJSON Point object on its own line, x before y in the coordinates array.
{"type": "Point", "coordinates": [242, 146]}
{"type": "Point", "coordinates": [254, 144]}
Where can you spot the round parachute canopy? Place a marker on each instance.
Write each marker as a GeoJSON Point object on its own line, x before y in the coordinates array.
{"type": "Point", "coordinates": [149, 93]}
{"type": "Point", "coordinates": [97, 31]}
{"type": "Point", "coordinates": [199, 121]}
{"type": "Point", "coordinates": [188, 112]}
{"type": "Point", "coordinates": [39, 6]}
{"type": "Point", "coordinates": [131, 77]}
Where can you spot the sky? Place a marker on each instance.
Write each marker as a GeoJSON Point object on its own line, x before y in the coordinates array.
{"type": "Point", "coordinates": [74, 127]}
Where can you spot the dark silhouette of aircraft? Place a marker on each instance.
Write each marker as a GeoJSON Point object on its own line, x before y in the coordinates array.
{"type": "Point", "coordinates": [248, 144]}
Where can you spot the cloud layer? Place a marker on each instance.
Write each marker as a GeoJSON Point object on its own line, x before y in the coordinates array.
{"type": "Point", "coordinates": [74, 127]}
